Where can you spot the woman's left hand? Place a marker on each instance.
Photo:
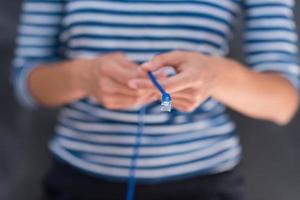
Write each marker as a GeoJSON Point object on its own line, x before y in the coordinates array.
{"type": "Point", "coordinates": [197, 76]}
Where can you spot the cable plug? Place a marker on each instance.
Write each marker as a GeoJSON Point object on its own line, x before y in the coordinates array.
{"type": "Point", "coordinates": [166, 103]}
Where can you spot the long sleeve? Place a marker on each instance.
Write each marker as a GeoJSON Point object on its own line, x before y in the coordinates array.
{"type": "Point", "coordinates": [271, 39]}
{"type": "Point", "coordinates": [37, 42]}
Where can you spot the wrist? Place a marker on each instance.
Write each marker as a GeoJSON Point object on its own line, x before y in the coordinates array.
{"type": "Point", "coordinates": [229, 72]}
{"type": "Point", "coordinates": [79, 76]}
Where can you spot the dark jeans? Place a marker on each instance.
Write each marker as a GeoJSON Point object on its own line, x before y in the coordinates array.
{"type": "Point", "coordinates": [66, 183]}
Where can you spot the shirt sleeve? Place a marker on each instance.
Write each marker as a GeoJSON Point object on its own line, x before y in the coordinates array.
{"type": "Point", "coordinates": [270, 38]}
{"type": "Point", "coordinates": [37, 42]}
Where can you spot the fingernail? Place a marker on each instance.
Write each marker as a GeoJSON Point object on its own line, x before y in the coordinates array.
{"type": "Point", "coordinates": [160, 74]}
{"type": "Point", "coordinates": [146, 65]}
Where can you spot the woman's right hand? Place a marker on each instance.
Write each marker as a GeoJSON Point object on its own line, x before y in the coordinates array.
{"type": "Point", "coordinates": [105, 78]}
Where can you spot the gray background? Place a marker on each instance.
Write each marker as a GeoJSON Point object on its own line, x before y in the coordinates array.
{"type": "Point", "coordinates": [271, 163]}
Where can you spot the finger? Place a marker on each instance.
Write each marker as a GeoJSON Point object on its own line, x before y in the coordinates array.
{"type": "Point", "coordinates": [182, 105]}
{"type": "Point", "coordinates": [188, 105]}
{"type": "Point", "coordinates": [145, 85]}
{"type": "Point", "coordinates": [195, 96]}
{"type": "Point", "coordinates": [174, 59]}
{"type": "Point", "coordinates": [160, 74]}
{"type": "Point", "coordinates": [127, 63]}
{"type": "Point", "coordinates": [120, 68]}
{"type": "Point", "coordinates": [187, 93]}
{"type": "Point", "coordinates": [176, 83]}
{"type": "Point", "coordinates": [119, 101]}
{"type": "Point", "coordinates": [118, 106]}
{"type": "Point", "coordinates": [112, 87]}
{"type": "Point", "coordinates": [141, 84]}
{"type": "Point", "coordinates": [120, 74]}
{"type": "Point", "coordinates": [148, 98]}
{"type": "Point", "coordinates": [170, 84]}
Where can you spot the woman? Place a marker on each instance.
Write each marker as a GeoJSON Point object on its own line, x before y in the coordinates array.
{"type": "Point", "coordinates": [85, 56]}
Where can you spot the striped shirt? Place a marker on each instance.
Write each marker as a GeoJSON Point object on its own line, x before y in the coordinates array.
{"type": "Point", "coordinates": [100, 141]}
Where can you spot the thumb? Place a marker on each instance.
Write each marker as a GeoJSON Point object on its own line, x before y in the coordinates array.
{"type": "Point", "coordinates": [174, 59]}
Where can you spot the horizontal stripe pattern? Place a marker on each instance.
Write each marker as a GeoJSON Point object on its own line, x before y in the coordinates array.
{"type": "Point", "coordinates": [157, 161]}
{"type": "Point", "coordinates": [148, 139]}
{"type": "Point", "coordinates": [230, 155]}
{"type": "Point", "coordinates": [174, 145]}
{"type": "Point", "coordinates": [271, 39]}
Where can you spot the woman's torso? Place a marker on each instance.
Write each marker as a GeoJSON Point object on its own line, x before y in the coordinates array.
{"type": "Point", "coordinates": [174, 145]}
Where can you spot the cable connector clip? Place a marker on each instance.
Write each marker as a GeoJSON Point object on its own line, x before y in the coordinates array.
{"type": "Point", "coordinates": [166, 101]}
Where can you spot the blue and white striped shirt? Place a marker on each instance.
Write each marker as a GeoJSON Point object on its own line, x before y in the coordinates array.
{"type": "Point", "coordinates": [174, 145]}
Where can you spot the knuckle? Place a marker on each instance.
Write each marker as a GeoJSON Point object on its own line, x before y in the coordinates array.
{"type": "Point", "coordinates": [135, 100]}
{"type": "Point", "coordinates": [193, 53]}
{"type": "Point", "coordinates": [190, 109]}
{"type": "Point", "coordinates": [195, 105]}
{"type": "Point", "coordinates": [183, 109]}
{"type": "Point", "coordinates": [180, 53]}
{"type": "Point", "coordinates": [158, 59]}
{"type": "Point", "coordinates": [186, 109]}
{"type": "Point", "coordinates": [96, 98]}
{"type": "Point", "coordinates": [201, 96]}
{"type": "Point", "coordinates": [105, 101]}
{"type": "Point", "coordinates": [193, 94]}
{"type": "Point", "coordinates": [110, 106]}
{"type": "Point", "coordinates": [177, 52]}
{"type": "Point", "coordinates": [180, 108]}
{"type": "Point", "coordinates": [194, 102]}
{"type": "Point", "coordinates": [100, 83]}
{"type": "Point", "coordinates": [102, 68]}
{"type": "Point", "coordinates": [100, 60]}
{"type": "Point", "coordinates": [117, 55]}
{"type": "Point", "coordinates": [105, 91]}
{"type": "Point", "coordinates": [199, 81]}
{"type": "Point", "coordinates": [97, 61]}
{"type": "Point", "coordinates": [163, 57]}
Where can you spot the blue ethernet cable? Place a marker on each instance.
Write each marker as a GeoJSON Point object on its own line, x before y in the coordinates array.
{"type": "Point", "coordinates": [166, 105]}
{"type": "Point", "coordinates": [166, 101]}
{"type": "Point", "coordinates": [136, 153]}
